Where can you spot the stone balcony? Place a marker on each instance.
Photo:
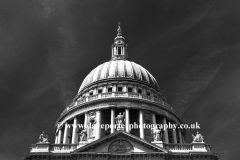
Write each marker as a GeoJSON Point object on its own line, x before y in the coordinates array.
{"type": "Point", "coordinates": [129, 95]}
{"type": "Point", "coordinates": [67, 148]}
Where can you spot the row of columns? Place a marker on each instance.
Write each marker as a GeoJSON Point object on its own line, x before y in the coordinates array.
{"type": "Point", "coordinates": [97, 130]}
{"type": "Point", "coordinates": [141, 121]}
{"type": "Point", "coordinates": [63, 135]}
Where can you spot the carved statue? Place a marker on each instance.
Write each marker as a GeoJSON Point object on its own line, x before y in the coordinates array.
{"type": "Point", "coordinates": [120, 119]}
{"type": "Point", "coordinates": [157, 134]}
{"type": "Point", "coordinates": [83, 135]}
{"type": "Point", "coordinates": [197, 138]}
{"type": "Point", "coordinates": [43, 138]}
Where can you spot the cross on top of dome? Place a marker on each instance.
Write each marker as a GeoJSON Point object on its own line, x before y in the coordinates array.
{"type": "Point", "coordinates": [119, 48]}
{"type": "Point", "coordinates": [119, 30]}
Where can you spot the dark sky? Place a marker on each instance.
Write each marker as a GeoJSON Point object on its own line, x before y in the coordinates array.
{"type": "Point", "coordinates": [47, 47]}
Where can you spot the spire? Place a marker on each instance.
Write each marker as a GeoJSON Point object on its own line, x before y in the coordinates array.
{"type": "Point", "coordinates": [119, 30]}
{"type": "Point", "coordinates": [119, 48]}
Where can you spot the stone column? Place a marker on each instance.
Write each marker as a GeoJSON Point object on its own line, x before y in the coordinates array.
{"type": "Point", "coordinates": [144, 91]}
{"type": "Point", "coordinates": [154, 122]}
{"type": "Point", "coordinates": [174, 136]}
{"type": "Point", "coordinates": [183, 139]}
{"type": "Point", "coordinates": [124, 88]}
{"type": "Point", "coordinates": [180, 136]}
{"type": "Point", "coordinates": [59, 136]}
{"type": "Point", "coordinates": [114, 88]}
{"type": "Point", "coordinates": [85, 121]}
{"type": "Point", "coordinates": [134, 89]}
{"type": "Point", "coordinates": [94, 91]}
{"type": "Point", "coordinates": [166, 140]}
{"type": "Point", "coordinates": [87, 96]}
{"type": "Point", "coordinates": [127, 120]}
{"type": "Point", "coordinates": [65, 138]}
{"type": "Point", "coordinates": [112, 120]}
{"type": "Point", "coordinates": [154, 118]}
{"type": "Point", "coordinates": [56, 138]}
{"type": "Point", "coordinates": [152, 95]}
{"type": "Point", "coordinates": [104, 89]}
{"type": "Point", "coordinates": [74, 133]}
{"type": "Point", "coordinates": [98, 125]}
{"type": "Point", "coordinates": [141, 124]}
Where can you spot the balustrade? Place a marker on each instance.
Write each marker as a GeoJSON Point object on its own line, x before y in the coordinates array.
{"type": "Point", "coordinates": [119, 94]}
{"type": "Point", "coordinates": [53, 147]}
{"type": "Point", "coordinates": [92, 97]}
{"type": "Point", "coordinates": [133, 95]}
{"type": "Point", "coordinates": [187, 147]}
{"type": "Point", "coordinates": [146, 97]}
{"type": "Point", "coordinates": [106, 95]}
{"type": "Point", "coordinates": [178, 147]}
{"type": "Point", "coordinates": [63, 147]}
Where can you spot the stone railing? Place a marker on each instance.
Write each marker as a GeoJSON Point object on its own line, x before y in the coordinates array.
{"type": "Point", "coordinates": [179, 147]}
{"type": "Point", "coordinates": [66, 148]}
{"type": "Point", "coordinates": [46, 147]}
{"type": "Point", "coordinates": [106, 95]}
{"type": "Point", "coordinates": [63, 147]}
{"type": "Point", "coordinates": [188, 147]}
{"type": "Point", "coordinates": [134, 95]}
{"type": "Point", "coordinates": [119, 94]}
{"type": "Point", "coordinates": [146, 97]}
{"type": "Point", "coordinates": [93, 97]}
{"type": "Point", "coordinates": [40, 147]}
{"type": "Point", "coordinates": [56, 148]}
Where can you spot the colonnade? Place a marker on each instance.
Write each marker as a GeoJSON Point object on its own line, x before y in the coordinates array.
{"type": "Point", "coordinates": [64, 136]}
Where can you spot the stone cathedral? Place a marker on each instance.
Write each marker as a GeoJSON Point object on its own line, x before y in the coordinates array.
{"type": "Point", "coordinates": [118, 114]}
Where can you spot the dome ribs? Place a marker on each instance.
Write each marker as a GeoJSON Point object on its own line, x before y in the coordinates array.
{"type": "Point", "coordinates": [97, 73]}
{"type": "Point", "coordinates": [90, 77]}
{"type": "Point", "coordinates": [144, 74]}
{"type": "Point", "coordinates": [119, 68]}
{"type": "Point", "coordinates": [129, 70]}
{"type": "Point", "coordinates": [112, 69]}
{"type": "Point", "coordinates": [151, 78]}
{"type": "Point", "coordinates": [137, 71]}
{"type": "Point", "coordinates": [104, 71]}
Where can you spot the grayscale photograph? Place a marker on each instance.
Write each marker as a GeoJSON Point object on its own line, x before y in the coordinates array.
{"type": "Point", "coordinates": [120, 79]}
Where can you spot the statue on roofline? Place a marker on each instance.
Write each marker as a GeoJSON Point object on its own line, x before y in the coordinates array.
{"type": "Point", "coordinates": [198, 137]}
{"type": "Point", "coordinates": [43, 138]}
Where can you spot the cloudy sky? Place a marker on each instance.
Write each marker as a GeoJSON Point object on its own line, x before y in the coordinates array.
{"type": "Point", "coordinates": [47, 47]}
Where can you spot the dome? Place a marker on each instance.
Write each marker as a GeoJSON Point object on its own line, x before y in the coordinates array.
{"type": "Point", "coordinates": [119, 68]}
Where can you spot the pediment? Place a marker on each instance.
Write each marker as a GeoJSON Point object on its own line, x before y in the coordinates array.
{"type": "Point", "coordinates": [120, 142]}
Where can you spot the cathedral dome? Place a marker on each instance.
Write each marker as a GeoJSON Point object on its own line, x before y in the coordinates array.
{"type": "Point", "coordinates": [119, 68]}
